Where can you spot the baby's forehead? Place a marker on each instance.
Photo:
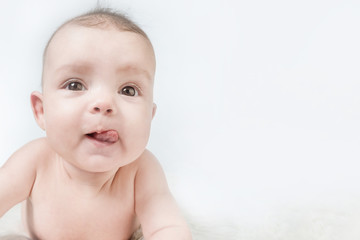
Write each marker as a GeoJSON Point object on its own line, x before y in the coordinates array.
{"type": "Point", "coordinates": [71, 35]}
{"type": "Point", "coordinates": [69, 30]}
{"type": "Point", "coordinates": [80, 49]}
{"type": "Point", "coordinates": [66, 32]}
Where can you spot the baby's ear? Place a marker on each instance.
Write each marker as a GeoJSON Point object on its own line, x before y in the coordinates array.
{"type": "Point", "coordinates": [154, 110]}
{"type": "Point", "coordinates": [38, 108]}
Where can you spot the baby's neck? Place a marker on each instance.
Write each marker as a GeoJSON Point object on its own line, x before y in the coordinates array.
{"type": "Point", "coordinates": [89, 184]}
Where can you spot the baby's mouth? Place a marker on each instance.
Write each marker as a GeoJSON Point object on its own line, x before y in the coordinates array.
{"type": "Point", "coordinates": [109, 136]}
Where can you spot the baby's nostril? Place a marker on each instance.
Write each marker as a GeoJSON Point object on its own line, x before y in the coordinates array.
{"type": "Point", "coordinates": [104, 110]}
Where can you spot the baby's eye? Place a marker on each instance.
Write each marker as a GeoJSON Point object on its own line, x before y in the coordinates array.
{"type": "Point", "coordinates": [75, 86]}
{"type": "Point", "coordinates": [129, 91]}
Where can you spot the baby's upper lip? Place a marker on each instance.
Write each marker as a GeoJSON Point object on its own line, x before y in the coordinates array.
{"type": "Point", "coordinates": [98, 129]}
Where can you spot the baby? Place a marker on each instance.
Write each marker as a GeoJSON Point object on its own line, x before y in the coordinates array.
{"type": "Point", "coordinates": [91, 176]}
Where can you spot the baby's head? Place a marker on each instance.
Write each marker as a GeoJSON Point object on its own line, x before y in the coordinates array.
{"type": "Point", "coordinates": [97, 98]}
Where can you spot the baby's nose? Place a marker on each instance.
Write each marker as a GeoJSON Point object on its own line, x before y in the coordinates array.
{"type": "Point", "coordinates": [103, 107]}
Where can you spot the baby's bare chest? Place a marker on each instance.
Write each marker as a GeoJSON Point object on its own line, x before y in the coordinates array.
{"type": "Point", "coordinates": [61, 214]}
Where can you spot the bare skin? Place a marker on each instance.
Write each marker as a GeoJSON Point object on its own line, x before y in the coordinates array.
{"type": "Point", "coordinates": [91, 176]}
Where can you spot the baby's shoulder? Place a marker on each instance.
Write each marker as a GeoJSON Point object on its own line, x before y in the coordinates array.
{"type": "Point", "coordinates": [38, 147]}
{"type": "Point", "coordinates": [34, 152]}
{"type": "Point", "coordinates": [22, 167]}
{"type": "Point", "coordinates": [145, 163]}
{"type": "Point", "coordinates": [149, 170]}
{"type": "Point", "coordinates": [146, 160]}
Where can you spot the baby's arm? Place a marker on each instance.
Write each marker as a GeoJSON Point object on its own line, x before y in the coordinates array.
{"type": "Point", "coordinates": [159, 215]}
{"type": "Point", "coordinates": [17, 176]}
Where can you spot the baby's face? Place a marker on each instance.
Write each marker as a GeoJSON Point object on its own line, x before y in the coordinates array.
{"type": "Point", "coordinates": [98, 96]}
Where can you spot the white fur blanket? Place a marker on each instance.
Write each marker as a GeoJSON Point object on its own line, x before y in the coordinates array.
{"type": "Point", "coordinates": [317, 222]}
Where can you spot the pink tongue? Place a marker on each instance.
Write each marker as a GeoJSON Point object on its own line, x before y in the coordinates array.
{"type": "Point", "coordinates": [107, 136]}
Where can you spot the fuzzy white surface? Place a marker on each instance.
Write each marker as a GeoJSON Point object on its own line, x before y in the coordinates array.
{"type": "Point", "coordinates": [321, 221]}
{"type": "Point", "coordinates": [11, 222]}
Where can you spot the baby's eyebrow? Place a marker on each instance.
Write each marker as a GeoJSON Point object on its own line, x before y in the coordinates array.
{"type": "Point", "coordinates": [134, 70]}
{"type": "Point", "coordinates": [78, 68]}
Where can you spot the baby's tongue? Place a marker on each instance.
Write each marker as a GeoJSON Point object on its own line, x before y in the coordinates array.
{"type": "Point", "coordinates": [110, 136]}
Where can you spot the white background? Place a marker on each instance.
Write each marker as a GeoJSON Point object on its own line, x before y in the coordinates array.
{"type": "Point", "coordinates": [258, 101]}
